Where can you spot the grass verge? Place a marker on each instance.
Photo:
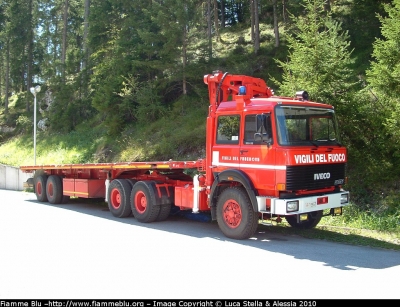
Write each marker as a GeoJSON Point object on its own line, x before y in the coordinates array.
{"type": "Point", "coordinates": [345, 235]}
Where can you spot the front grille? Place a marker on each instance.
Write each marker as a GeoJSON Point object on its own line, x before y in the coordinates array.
{"type": "Point", "coordinates": [311, 177]}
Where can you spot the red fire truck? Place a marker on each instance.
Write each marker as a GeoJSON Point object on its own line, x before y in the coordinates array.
{"type": "Point", "coordinates": [267, 158]}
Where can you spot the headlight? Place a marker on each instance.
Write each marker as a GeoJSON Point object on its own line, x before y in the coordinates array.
{"type": "Point", "coordinates": [344, 198]}
{"type": "Point", "coordinates": [292, 205]}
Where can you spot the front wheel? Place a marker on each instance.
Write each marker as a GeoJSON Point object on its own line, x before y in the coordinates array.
{"type": "Point", "coordinates": [235, 214]}
{"type": "Point", "coordinates": [312, 221]}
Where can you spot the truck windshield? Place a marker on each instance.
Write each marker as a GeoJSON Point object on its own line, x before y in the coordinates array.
{"type": "Point", "coordinates": [297, 125]}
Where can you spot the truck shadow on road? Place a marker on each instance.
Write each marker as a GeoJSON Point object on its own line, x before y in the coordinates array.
{"type": "Point", "coordinates": [336, 255]}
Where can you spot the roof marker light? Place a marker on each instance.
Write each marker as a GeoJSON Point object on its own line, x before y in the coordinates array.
{"type": "Point", "coordinates": [242, 90]}
{"type": "Point", "coordinates": [302, 95]}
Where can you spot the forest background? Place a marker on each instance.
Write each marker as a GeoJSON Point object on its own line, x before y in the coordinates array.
{"type": "Point", "coordinates": [122, 80]}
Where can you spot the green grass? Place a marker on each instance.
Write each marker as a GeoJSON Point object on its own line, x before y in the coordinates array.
{"type": "Point", "coordinates": [78, 146]}
{"type": "Point", "coordinates": [354, 227]}
{"type": "Point", "coordinates": [344, 235]}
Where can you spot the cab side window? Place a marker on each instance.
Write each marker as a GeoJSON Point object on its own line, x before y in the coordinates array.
{"type": "Point", "coordinates": [228, 129]}
{"type": "Point", "coordinates": [257, 129]}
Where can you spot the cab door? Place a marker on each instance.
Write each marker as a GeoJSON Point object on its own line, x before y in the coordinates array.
{"type": "Point", "coordinates": [225, 153]}
{"type": "Point", "coordinates": [257, 153]}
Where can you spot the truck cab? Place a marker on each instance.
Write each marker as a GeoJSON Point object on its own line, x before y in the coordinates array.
{"type": "Point", "coordinates": [283, 154]}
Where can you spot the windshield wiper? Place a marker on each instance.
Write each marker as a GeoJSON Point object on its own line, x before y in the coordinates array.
{"type": "Point", "coordinates": [336, 142]}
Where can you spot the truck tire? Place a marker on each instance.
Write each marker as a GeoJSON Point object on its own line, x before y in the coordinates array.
{"type": "Point", "coordinates": [54, 190]}
{"type": "Point", "coordinates": [235, 214]}
{"type": "Point", "coordinates": [166, 195]}
{"type": "Point", "coordinates": [165, 211]}
{"type": "Point", "coordinates": [144, 202]}
{"type": "Point", "coordinates": [40, 188]}
{"type": "Point", "coordinates": [131, 182]}
{"type": "Point", "coordinates": [65, 199]}
{"type": "Point", "coordinates": [313, 220]}
{"type": "Point", "coordinates": [118, 198]}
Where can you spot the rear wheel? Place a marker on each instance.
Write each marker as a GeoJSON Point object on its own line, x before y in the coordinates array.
{"type": "Point", "coordinates": [166, 198]}
{"type": "Point", "coordinates": [131, 182]}
{"type": "Point", "coordinates": [313, 219]}
{"type": "Point", "coordinates": [144, 202]}
{"type": "Point", "coordinates": [235, 214]}
{"type": "Point", "coordinates": [54, 190]}
{"type": "Point", "coordinates": [65, 199]}
{"type": "Point", "coordinates": [165, 211]}
{"type": "Point", "coordinates": [118, 198]}
{"type": "Point", "coordinates": [40, 188]}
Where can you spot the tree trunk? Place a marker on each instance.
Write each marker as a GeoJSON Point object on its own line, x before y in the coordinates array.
{"type": "Point", "coordinates": [284, 11]}
{"type": "Point", "coordinates": [276, 27]}
{"type": "Point", "coordinates": [64, 39]}
{"type": "Point", "coordinates": [209, 28]}
{"type": "Point", "coordinates": [85, 35]}
{"type": "Point", "coordinates": [2, 75]}
{"type": "Point", "coordinates": [222, 14]}
{"type": "Point", "coordinates": [256, 28]}
{"type": "Point", "coordinates": [184, 60]}
{"type": "Point", "coordinates": [7, 79]}
{"type": "Point", "coordinates": [30, 53]}
{"type": "Point", "coordinates": [216, 25]}
{"type": "Point", "coordinates": [327, 5]}
{"type": "Point", "coordinates": [252, 21]}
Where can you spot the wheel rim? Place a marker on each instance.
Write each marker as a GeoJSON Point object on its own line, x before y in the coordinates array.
{"type": "Point", "coordinates": [39, 188]}
{"type": "Point", "coordinates": [115, 198]}
{"type": "Point", "coordinates": [50, 190]}
{"type": "Point", "coordinates": [232, 213]}
{"type": "Point", "coordinates": [140, 202]}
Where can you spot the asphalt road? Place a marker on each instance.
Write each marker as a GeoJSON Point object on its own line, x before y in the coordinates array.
{"type": "Point", "coordinates": [80, 251]}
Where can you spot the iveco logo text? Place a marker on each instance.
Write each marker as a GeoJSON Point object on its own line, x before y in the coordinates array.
{"type": "Point", "coordinates": [322, 176]}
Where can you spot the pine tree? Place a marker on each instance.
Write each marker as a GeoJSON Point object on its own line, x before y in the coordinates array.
{"type": "Point", "coordinates": [319, 57]}
{"type": "Point", "coordinates": [384, 74]}
{"type": "Point", "coordinates": [383, 79]}
{"type": "Point", "coordinates": [3, 57]}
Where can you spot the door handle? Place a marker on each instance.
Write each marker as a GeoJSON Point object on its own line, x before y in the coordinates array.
{"type": "Point", "coordinates": [243, 151]}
